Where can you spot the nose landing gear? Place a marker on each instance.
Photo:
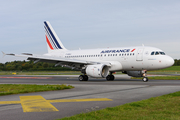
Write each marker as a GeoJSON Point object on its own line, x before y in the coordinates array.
{"type": "Point", "coordinates": [145, 79]}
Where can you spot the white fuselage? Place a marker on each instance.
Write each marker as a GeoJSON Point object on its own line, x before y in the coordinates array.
{"type": "Point", "coordinates": [121, 59]}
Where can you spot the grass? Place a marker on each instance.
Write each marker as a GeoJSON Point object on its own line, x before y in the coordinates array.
{"type": "Point", "coordinates": [166, 107]}
{"type": "Point", "coordinates": [8, 89]}
{"type": "Point", "coordinates": [170, 70]}
{"type": "Point", "coordinates": [40, 72]}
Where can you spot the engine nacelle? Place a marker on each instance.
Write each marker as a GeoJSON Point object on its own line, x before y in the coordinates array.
{"type": "Point", "coordinates": [98, 70]}
{"type": "Point", "coordinates": [136, 73]}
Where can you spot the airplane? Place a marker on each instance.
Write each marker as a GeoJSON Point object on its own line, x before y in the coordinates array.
{"type": "Point", "coordinates": [101, 63]}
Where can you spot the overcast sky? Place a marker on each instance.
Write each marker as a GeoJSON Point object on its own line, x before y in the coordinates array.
{"type": "Point", "coordinates": [89, 24]}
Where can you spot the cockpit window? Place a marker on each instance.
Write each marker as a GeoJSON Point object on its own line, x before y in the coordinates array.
{"type": "Point", "coordinates": [152, 53]}
{"type": "Point", "coordinates": [162, 53]}
{"type": "Point", "coordinates": [157, 53]}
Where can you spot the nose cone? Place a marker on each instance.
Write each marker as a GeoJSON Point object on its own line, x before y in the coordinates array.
{"type": "Point", "coordinates": [169, 61]}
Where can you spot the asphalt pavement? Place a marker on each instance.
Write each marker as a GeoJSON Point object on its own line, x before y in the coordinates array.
{"type": "Point", "coordinates": [89, 95]}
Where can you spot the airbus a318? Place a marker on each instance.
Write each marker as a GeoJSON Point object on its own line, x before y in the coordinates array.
{"type": "Point", "coordinates": [101, 63]}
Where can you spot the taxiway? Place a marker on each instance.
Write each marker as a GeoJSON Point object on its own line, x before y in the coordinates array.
{"type": "Point", "coordinates": [122, 90]}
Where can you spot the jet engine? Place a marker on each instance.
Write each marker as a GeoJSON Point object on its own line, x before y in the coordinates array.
{"type": "Point", "coordinates": [135, 73]}
{"type": "Point", "coordinates": [98, 70]}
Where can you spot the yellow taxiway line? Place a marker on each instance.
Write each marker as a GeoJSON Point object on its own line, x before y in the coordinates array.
{"type": "Point", "coordinates": [39, 104]}
{"type": "Point", "coordinates": [10, 102]}
{"type": "Point", "coordinates": [36, 104]}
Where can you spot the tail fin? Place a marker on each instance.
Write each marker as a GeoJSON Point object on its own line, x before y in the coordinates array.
{"type": "Point", "coordinates": [53, 42]}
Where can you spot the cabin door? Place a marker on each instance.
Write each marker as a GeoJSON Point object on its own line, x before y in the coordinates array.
{"type": "Point", "coordinates": [139, 56]}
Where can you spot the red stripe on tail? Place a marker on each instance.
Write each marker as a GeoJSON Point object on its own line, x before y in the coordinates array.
{"type": "Point", "coordinates": [47, 40]}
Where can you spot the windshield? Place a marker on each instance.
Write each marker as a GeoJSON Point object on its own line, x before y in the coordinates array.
{"type": "Point", "coordinates": [162, 53]}
{"type": "Point", "coordinates": [157, 53]}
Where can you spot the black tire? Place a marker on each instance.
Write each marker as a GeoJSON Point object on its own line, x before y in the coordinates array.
{"type": "Point", "coordinates": [81, 78]}
{"type": "Point", "coordinates": [110, 78]}
{"type": "Point", "coordinates": [145, 79]}
{"type": "Point", "coordinates": [86, 78]}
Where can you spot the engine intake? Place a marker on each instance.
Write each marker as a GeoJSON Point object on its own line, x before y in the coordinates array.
{"type": "Point", "coordinates": [99, 70]}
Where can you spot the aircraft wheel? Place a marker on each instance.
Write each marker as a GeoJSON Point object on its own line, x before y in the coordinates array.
{"type": "Point", "coordinates": [86, 78]}
{"type": "Point", "coordinates": [145, 79]}
{"type": "Point", "coordinates": [110, 78]}
{"type": "Point", "coordinates": [81, 78]}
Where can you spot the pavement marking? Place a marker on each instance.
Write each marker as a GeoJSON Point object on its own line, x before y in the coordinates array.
{"type": "Point", "coordinates": [39, 104]}
{"type": "Point", "coordinates": [36, 104]}
{"type": "Point", "coordinates": [10, 102]}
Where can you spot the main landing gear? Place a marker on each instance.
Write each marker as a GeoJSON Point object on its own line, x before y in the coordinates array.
{"type": "Point", "coordinates": [83, 78]}
{"type": "Point", "coordinates": [110, 77]}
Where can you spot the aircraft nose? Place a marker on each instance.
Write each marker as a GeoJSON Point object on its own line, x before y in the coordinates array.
{"type": "Point", "coordinates": [169, 61]}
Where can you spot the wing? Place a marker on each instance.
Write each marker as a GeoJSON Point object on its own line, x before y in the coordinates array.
{"type": "Point", "coordinates": [66, 62]}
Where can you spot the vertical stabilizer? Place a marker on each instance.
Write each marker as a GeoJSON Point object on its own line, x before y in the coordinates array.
{"type": "Point", "coordinates": [53, 42]}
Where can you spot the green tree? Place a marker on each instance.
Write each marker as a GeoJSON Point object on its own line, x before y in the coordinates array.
{"type": "Point", "coordinates": [45, 65]}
